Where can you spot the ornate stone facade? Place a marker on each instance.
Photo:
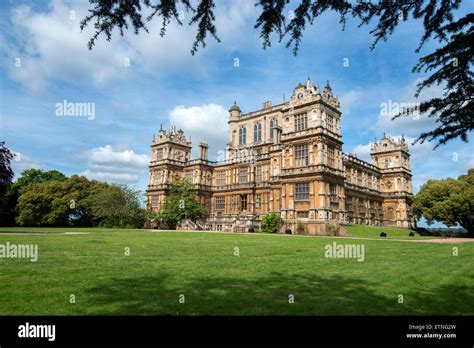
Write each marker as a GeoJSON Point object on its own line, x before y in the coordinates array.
{"type": "Point", "coordinates": [288, 158]}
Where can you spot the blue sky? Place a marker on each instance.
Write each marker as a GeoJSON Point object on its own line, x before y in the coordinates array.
{"type": "Point", "coordinates": [164, 84]}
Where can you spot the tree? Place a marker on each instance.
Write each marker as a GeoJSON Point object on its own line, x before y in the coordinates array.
{"type": "Point", "coordinates": [43, 204]}
{"type": "Point", "coordinates": [29, 176]}
{"type": "Point", "coordinates": [78, 201]}
{"type": "Point", "coordinates": [6, 172]}
{"type": "Point", "coordinates": [271, 223]}
{"type": "Point", "coordinates": [37, 175]}
{"type": "Point", "coordinates": [117, 206]}
{"type": "Point", "coordinates": [449, 201]}
{"type": "Point", "coordinates": [57, 203]}
{"type": "Point", "coordinates": [452, 63]}
{"type": "Point", "coordinates": [6, 177]}
{"type": "Point", "coordinates": [180, 203]}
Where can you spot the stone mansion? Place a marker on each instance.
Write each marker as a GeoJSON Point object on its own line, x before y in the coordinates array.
{"type": "Point", "coordinates": [288, 158]}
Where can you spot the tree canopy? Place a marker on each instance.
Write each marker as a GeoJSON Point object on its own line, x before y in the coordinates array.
{"type": "Point", "coordinates": [76, 201]}
{"type": "Point", "coordinates": [116, 206]}
{"type": "Point", "coordinates": [6, 172]}
{"type": "Point", "coordinates": [9, 202]}
{"type": "Point", "coordinates": [450, 201]}
{"type": "Point", "coordinates": [450, 65]}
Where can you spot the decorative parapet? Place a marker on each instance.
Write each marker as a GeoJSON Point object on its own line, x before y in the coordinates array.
{"type": "Point", "coordinates": [387, 144]}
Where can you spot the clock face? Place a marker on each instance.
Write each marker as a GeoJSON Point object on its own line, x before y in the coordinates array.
{"type": "Point", "coordinates": [300, 95]}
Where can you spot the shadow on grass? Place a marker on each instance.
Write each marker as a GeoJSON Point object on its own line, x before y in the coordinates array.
{"type": "Point", "coordinates": [335, 295]}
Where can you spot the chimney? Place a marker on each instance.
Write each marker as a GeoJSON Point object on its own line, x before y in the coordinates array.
{"type": "Point", "coordinates": [267, 104]}
{"type": "Point", "coordinates": [203, 149]}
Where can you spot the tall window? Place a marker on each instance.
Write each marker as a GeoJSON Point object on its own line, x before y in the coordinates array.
{"type": "Point", "coordinates": [243, 202]}
{"type": "Point", "coordinates": [330, 155]}
{"type": "Point", "coordinates": [220, 203]}
{"type": "Point", "coordinates": [272, 127]}
{"type": "Point", "coordinates": [157, 177]}
{"type": "Point", "coordinates": [301, 155]}
{"type": "Point", "coordinates": [258, 174]}
{"type": "Point", "coordinates": [220, 178]}
{"type": "Point", "coordinates": [257, 132]}
{"type": "Point", "coordinates": [330, 123]}
{"type": "Point", "coordinates": [349, 203]}
{"type": "Point", "coordinates": [302, 191]}
{"type": "Point", "coordinates": [154, 201]}
{"type": "Point", "coordinates": [258, 200]}
{"type": "Point", "coordinates": [301, 122]}
{"type": "Point", "coordinates": [159, 154]}
{"type": "Point", "coordinates": [333, 192]}
{"type": "Point", "coordinates": [243, 174]}
{"type": "Point", "coordinates": [242, 135]}
{"type": "Point", "coordinates": [361, 206]}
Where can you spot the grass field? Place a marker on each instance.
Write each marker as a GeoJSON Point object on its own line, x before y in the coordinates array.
{"type": "Point", "coordinates": [364, 231]}
{"type": "Point", "coordinates": [202, 267]}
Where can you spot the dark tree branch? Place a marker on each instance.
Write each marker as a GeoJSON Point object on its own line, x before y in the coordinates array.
{"type": "Point", "coordinates": [453, 111]}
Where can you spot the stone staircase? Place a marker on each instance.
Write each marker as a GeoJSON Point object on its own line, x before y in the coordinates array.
{"type": "Point", "coordinates": [188, 225]}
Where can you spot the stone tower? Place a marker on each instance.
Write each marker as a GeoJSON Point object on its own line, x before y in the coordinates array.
{"type": "Point", "coordinates": [170, 153]}
{"type": "Point", "coordinates": [393, 159]}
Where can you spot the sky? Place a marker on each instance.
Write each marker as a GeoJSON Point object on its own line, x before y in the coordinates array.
{"type": "Point", "coordinates": [137, 83]}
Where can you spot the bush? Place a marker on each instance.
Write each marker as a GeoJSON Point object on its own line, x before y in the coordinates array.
{"type": "Point", "coordinates": [300, 227]}
{"type": "Point", "coordinates": [271, 223]}
{"type": "Point", "coordinates": [333, 230]}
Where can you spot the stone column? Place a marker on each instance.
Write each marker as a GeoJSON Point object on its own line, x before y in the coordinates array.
{"type": "Point", "coordinates": [291, 156]}
{"type": "Point", "coordinates": [320, 153]}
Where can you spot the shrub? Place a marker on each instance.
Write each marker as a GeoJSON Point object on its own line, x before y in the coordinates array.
{"type": "Point", "coordinates": [271, 223]}
{"type": "Point", "coordinates": [333, 230]}
{"type": "Point", "coordinates": [300, 227]}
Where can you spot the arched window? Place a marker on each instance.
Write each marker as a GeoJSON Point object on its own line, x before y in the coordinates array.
{"type": "Point", "coordinates": [257, 132]}
{"type": "Point", "coordinates": [242, 135]}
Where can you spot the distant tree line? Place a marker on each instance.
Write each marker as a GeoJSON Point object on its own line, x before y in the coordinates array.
{"type": "Point", "coordinates": [49, 198]}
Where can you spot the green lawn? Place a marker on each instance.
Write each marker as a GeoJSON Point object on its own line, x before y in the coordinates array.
{"type": "Point", "coordinates": [364, 231]}
{"type": "Point", "coordinates": [202, 266]}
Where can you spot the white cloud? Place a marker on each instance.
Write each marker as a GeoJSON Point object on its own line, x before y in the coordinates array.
{"type": "Point", "coordinates": [51, 46]}
{"type": "Point", "coordinates": [115, 165]}
{"type": "Point", "coordinates": [469, 165]}
{"type": "Point", "coordinates": [413, 123]}
{"type": "Point", "coordinates": [351, 99]}
{"type": "Point", "coordinates": [362, 151]}
{"type": "Point", "coordinates": [208, 121]}
{"type": "Point", "coordinates": [21, 162]}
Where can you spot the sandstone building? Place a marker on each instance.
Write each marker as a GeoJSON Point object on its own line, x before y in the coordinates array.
{"type": "Point", "coordinates": [288, 158]}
